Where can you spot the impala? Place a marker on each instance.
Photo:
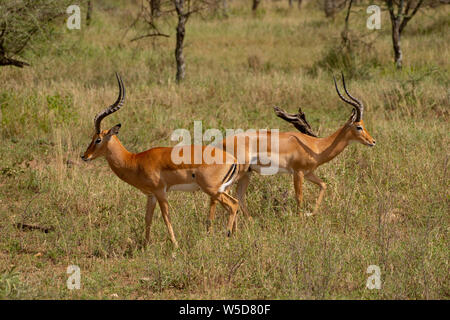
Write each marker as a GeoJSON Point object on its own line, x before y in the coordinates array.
{"type": "Point", "coordinates": [299, 154]}
{"type": "Point", "coordinates": [155, 173]}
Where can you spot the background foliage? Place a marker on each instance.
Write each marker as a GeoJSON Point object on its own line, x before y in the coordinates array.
{"type": "Point", "coordinates": [386, 205]}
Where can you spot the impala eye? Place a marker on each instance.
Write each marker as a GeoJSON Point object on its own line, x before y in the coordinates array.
{"type": "Point", "coordinates": [359, 128]}
{"type": "Point", "coordinates": [98, 141]}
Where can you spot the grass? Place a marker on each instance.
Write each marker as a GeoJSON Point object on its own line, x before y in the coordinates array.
{"type": "Point", "coordinates": [385, 206]}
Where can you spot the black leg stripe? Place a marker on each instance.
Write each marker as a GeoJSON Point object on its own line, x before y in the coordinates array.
{"type": "Point", "coordinates": [231, 170]}
{"type": "Point", "coordinates": [234, 166]}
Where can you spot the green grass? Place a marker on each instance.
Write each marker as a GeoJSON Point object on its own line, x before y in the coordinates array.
{"type": "Point", "coordinates": [385, 206]}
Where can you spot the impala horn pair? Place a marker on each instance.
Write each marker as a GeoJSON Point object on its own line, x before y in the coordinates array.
{"type": "Point", "coordinates": [299, 120]}
{"type": "Point", "coordinates": [358, 107]}
{"type": "Point", "coordinates": [112, 108]}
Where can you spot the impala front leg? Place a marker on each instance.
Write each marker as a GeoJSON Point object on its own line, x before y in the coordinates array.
{"type": "Point", "coordinates": [151, 204]}
{"type": "Point", "coordinates": [164, 206]}
{"type": "Point", "coordinates": [315, 179]}
{"type": "Point", "coordinates": [298, 187]}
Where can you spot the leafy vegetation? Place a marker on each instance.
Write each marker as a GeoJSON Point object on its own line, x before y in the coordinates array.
{"type": "Point", "coordinates": [385, 206]}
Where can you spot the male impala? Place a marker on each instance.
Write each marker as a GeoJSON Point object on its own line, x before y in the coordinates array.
{"type": "Point", "coordinates": [299, 153]}
{"type": "Point", "coordinates": [155, 173]}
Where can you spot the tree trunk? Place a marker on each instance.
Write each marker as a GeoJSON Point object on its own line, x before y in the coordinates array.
{"type": "Point", "coordinates": [181, 30]}
{"type": "Point", "coordinates": [396, 35]}
{"type": "Point", "coordinates": [328, 8]}
{"type": "Point", "coordinates": [89, 12]}
{"type": "Point", "coordinates": [225, 7]}
{"type": "Point", "coordinates": [290, 3]}
{"type": "Point", "coordinates": [300, 4]}
{"type": "Point", "coordinates": [346, 43]}
{"type": "Point", "coordinates": [255, 4]}
{"type": "Point", "coordinates": [155, 8]}
{"type": "Point", "coordinates": [399, 22]}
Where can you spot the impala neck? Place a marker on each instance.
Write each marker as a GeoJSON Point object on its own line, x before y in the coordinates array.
{"type": "Point", "coordinates": [118, 156]}
{"type": "Point", "coordinates": [333, 145]}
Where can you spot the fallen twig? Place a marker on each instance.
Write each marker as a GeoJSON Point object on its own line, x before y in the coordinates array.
{"type": "Point", "coordinates": [31, 227]}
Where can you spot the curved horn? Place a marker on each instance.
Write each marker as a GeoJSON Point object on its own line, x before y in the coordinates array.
{"type": "Point", "coordinates": [298, 120]}
{"type": "Point", "coordinates": [360, 109]}
{"type": "Point", "coordinates": [354, 104]}
{"type": "Point", "coordinates": [112, 108]}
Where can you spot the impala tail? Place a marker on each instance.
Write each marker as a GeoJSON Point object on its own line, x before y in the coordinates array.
{"type": "Point", "coordinates": [229, 177]}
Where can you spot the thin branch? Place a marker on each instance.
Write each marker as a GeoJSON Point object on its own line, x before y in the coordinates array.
{"type": "Point", "coordinates": [135, 21]}
{"type": "Point", "coordinates": [4, 61]}
{"type": "Point", "coordinates": [407, 18]}
{"type": "Point", "coordinates": [400, 9]}
{"type": "Point", "coordinates": [151, 35]}
{"type": "Point", "coordinates": [348, 12]}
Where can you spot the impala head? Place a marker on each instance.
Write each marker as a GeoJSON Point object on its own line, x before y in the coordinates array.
{"type": "Point", "coordinates": [100, 140]}
{"type": "Point", "coordinates": [355, 123]}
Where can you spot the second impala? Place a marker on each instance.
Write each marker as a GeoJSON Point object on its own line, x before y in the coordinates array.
{"type": "Point", "coordinates": [297, 153]}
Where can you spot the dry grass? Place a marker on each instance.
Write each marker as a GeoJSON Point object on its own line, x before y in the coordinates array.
{"type": "Point", "coordinates": [386, 206]}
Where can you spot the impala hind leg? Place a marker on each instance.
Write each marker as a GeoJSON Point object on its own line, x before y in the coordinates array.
{"type": "Point", "coordinates": [164, 206]}
{"type": "Point", "coordinates": [232, 205]}
{"type": "Point", "coordinates": [315, 179]}
{"type": "Point", "coordinates": [241, 189]}
{"type": "Point", "coordinates": [151, 204]}
{"type": "Point", "coordinates": [212, 214]}
{"type": "Point", "coordinates": [298, 187]}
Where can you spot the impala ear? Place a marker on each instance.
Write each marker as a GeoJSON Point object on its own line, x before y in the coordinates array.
{"type": "Point", "coordinates": [114, 130]}
{"type": "Point", "coordinates": [353, 116]}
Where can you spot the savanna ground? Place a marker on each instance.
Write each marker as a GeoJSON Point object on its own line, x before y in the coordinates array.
{"type": "Point", "coordinates": [385, 206]}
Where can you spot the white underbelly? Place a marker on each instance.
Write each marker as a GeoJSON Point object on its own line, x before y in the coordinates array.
{"type": "Point", "coordinates": [263, 170]}
{"type": "Point", "coordinates": [189, 187]}
{"type": "Point", "coordinates": [284, 170]}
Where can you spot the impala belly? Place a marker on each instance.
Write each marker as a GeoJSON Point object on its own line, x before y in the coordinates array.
{"type": "Point", "coordinates": [190, 187]}
{"type": "Point", "coordinates": [284, 170]}
{"type": "Point", "coordinates": [257, 168]}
